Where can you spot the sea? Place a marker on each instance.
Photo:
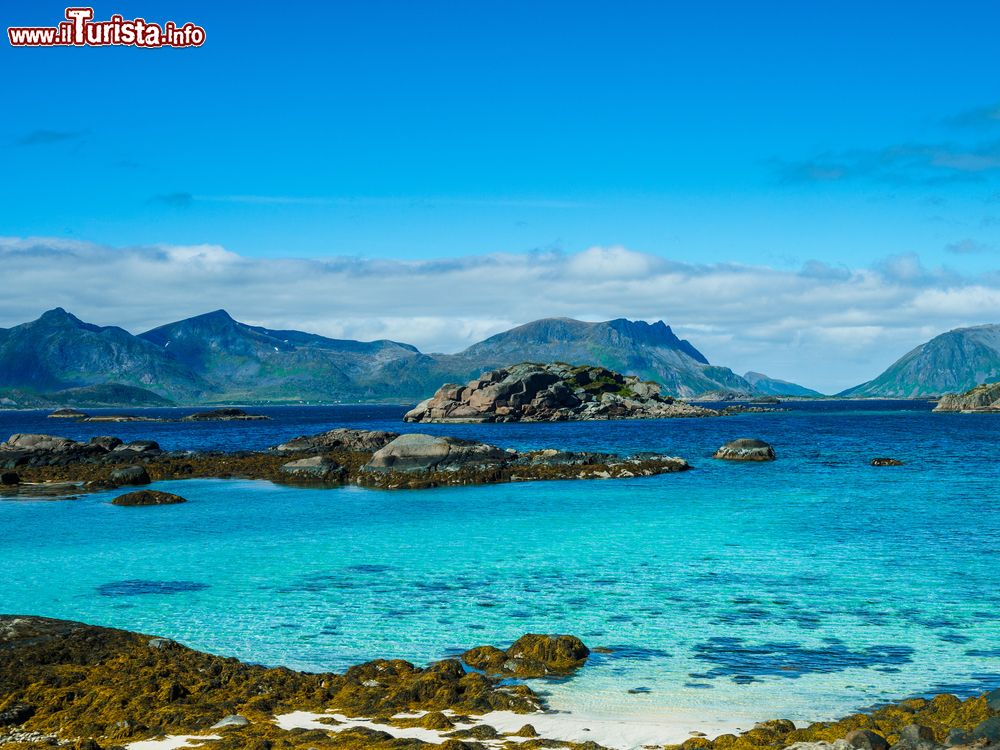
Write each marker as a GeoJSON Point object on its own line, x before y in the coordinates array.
{"type": "Point", "coordinates": [804, 588]}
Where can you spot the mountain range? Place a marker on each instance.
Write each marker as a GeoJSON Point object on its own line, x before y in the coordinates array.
{"type": "Point", "coordinates": [213, 358]}
{"type": "Point", "coordinates": [953, 362]}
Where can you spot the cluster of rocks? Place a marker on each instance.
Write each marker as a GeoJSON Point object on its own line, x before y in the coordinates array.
{"type": "Point", "coordinates": [944, 721]}
{"type": "Point", "coordinates": [452, 460]}
{"type": "Point", "coordinates": [983, 399]}
{"type": "Point", "coordinates": [531, 655]}
{"type": "Point", "coordinates": [551, 393]}
{"type": "Point", "coordinates": [26, 449]}
{"type": "Point", "coordinates": [127, 687]}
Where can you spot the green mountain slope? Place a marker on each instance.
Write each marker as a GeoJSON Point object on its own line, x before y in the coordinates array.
{"type": "Point", "coordinates": [953, 362]}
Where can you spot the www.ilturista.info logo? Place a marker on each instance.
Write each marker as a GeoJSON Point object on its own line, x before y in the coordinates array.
{"type": "Point", "coordinates": [81, 30]}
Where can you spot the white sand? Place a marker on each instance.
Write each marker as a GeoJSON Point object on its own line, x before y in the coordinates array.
{"type": "Point", "coordinates": [617, 733]}
{"type": "Point", "coordinates": [172, 741]}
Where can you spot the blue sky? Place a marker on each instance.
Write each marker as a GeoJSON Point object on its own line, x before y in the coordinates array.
{"type": "Point", "coordinates": [776, 135]}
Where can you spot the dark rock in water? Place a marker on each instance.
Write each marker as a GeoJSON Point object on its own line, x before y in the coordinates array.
{"type": "Point", "coordinates": [316, 467]}
{"type": "Point", "coordinates": [865, 739]}
{"type": "Point", "coordinates": [16, 714]}
{"type": "Point", "coordinates": [418, 452]}
{"type": "Point", "coordinates": [223, 415]}
{"type": "Point", "coordinates": [148, 497]}
{"type": "Point", "coordinates": [886, 462]}
{"type": "Point", "coordinates": [130, 475]}
{"type": "Point", "coordinates": [140, 587]}
{"type": "Point", "coordinates": [67, 414]}
{"type": "Point", "coordinates": [531, 655]}
{"type": "Point", "coordinates": [9, 478]}
{"type": "Point", "coordinates": [551, 393]}
{"type": "Point", "coordinates": [993, 700]}
{"type": "Point", "coordinates": [342, 438]}
{"type": "Point", "coordinates": [746, 449]}
{"type": "Point", "coordinates": [119, 418]}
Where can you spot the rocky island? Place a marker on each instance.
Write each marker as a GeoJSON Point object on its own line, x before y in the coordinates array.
{"type": "Point", "coordinates": [981, 399]}
{"type": "Point", "coordinates": [551, 393]}
{"type": "Point", "coordinates": [341, 456]}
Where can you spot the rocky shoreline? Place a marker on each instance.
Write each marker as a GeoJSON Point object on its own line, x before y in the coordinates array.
{"type": "Point", "coordinates": [43, 464]}
{"type": "Point", "coordinates": [983, 399]}
{"type": "Point", "coordinates": [92, 688]}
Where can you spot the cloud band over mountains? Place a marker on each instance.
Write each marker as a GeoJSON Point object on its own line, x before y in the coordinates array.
{"type": "Point", "coordinates": [825, 326]}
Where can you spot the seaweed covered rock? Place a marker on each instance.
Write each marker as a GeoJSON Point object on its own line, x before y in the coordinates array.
{"type": "Point", "coordinates": [531, 655]}
{"type": "Point", "coordinates": [884, 461]}
{"type": "Point", "coordinates": [912, 724]}
{"type": "Point", "coordinates": [550, 393]}
{"type": "Point", "coordinates": [745, 449]}
{"type": "Point", "coordinates": [418, 452]}
{"type": "Point", "coordinates": [148, 497]}
{"type": "Point", "coordinates": [81, 681]}
{"type": "Point", "coordinates": [317, 468]}
{"type": "Point", "coordinates": [341, 438]}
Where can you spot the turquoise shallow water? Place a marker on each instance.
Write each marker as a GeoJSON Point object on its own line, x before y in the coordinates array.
{"type": "Point", "coordinates": [804, 588]}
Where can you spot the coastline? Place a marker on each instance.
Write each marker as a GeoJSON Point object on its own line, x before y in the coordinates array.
{"type": "Point", "coordinates": [103, 688]}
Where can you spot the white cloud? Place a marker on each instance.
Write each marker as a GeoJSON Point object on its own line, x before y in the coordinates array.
{"type": "Point", "coordinates": [828, 327]}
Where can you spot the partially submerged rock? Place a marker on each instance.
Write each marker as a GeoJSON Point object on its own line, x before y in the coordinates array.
{"type": "Point", "coordinates": [531, 655]}
{"type": "Point", "coordinates": [315, 468]}
{"type": "Point", "coordinates": [745, 449]}
{"type": "Point", "coordinates": [884, 461]}
{"type": "Point", "coordinates": [551, 393]}
{"type": "Point", "coordinates": [148, 497]}
{"type": "Point", "coordinates": [419, 452]}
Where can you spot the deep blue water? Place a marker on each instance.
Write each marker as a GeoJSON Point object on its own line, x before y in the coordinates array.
{"type": "Point", "coordinates": [805, 588]}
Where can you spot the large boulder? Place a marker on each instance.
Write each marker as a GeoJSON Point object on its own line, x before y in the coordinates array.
{"type": "Point", "coordinates": [148, 497]}
{"type": "Point", "coordinates": [745, 449]}
{"type": "Point", "coordinates": [318, 468]}
{"type": "Point", "coordinates": [531, 655]}
{"type": "Point", "coordinates": [342, 438]}
{"type": "Point", "coordinates": [132, 474]}
{"type": "Point", "coordinates": [418, 452]}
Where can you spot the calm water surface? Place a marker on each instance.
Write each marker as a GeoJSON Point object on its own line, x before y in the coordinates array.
{"type": "Point", "coordinates": [804, 588]}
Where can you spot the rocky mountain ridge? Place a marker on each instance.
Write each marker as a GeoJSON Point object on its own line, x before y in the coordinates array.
{"type": "Point", "coordinates": [61, 360]}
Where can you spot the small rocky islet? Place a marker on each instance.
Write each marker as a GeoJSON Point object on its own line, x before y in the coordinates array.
{"type": "Point", "coordinates": [557, 392]}
{"type": "Point", "coordinates": [363, 457]}
{"type": "Point", "coordinates": [93, 688]}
